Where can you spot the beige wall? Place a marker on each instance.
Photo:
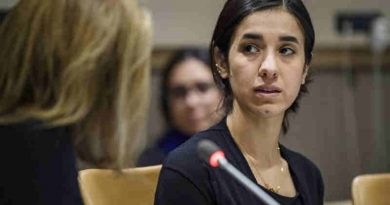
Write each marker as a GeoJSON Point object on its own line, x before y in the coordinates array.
{"type": "Point", "coordinates": [7, 3]}
{"type": "Point", "coordinates": [188, 22]}
{"type": "Point", "coordinates": [183, 22]}
{"type": "Point", "coordinates": [322, 12]}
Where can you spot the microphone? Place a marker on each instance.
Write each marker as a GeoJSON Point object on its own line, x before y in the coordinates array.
{"type": "Point", "coordinates": [214, 156]}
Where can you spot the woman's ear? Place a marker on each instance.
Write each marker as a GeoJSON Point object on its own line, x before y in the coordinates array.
{"type": "Point", "coordinates": [304, 75]}
{"type": "Point", "coordinates": [220, 63]}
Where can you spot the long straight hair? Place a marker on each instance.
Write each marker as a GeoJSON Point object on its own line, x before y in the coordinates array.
{"type": "Point", "coordinates": [83, 64]}
{"type": "Point", "coordinates": [232, 14]}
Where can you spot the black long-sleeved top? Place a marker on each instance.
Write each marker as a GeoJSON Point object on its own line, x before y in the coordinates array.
{"type": "Point", "coordinates": [185, 179]}
{"type": "Point", "coordinates": [38, 165]}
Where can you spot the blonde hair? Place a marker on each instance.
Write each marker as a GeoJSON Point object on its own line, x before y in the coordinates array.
{"type": "Point", "coordinates": [82, 64]}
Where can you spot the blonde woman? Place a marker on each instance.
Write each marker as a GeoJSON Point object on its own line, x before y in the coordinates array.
{"type": "Point", "coordinates": [74, 78]}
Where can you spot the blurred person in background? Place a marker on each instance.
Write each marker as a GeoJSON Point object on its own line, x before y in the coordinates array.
{"type": "Point", "coordinates": [74, 77]}
{"type": "Point", "coordinates": [189, 101]}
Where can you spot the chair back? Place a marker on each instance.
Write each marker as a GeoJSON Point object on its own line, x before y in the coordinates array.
{"type": "Point", "coordinates": [108, 187]}
{"type": "Point", "coordinates": [371, 189]}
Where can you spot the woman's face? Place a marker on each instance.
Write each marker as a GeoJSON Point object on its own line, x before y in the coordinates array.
{"type": "Point", "coordinates": [266, 63]}
{"type": "Point", "coordinates": [193, 97]}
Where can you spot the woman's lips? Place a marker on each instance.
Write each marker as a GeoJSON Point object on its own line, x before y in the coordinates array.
{"type": "Point", "coordinates": [267, 90]}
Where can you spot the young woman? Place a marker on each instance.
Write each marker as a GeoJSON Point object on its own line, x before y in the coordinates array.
{"type": "Point", "coordinates": [261, 51]}
{"type": "Point", "coordinates": [74, 78]}
{"type": "Point", "coordinates": [189, 101]}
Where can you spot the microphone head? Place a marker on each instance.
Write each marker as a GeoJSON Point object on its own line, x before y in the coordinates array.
{"type": "Point", "coordinates": [210, 152]}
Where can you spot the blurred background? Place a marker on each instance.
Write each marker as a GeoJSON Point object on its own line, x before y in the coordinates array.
{"type": "Point", "coordinates": [344, 122]}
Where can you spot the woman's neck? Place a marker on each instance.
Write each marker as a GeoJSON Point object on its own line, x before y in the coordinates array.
{"type": "Point", "coordinates": [257, 137]}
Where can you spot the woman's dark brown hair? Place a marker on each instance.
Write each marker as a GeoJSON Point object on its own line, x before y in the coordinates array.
{"type": "Point", "coordinates": [233, 12]}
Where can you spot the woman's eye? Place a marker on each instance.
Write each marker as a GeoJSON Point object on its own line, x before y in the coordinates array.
{"type": "Point", "coordinates": [287, 51]}
{"type": "Point", "coordinates": [251, 48]}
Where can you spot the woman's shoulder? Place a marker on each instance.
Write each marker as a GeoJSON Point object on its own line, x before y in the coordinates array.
{"type": "Point", "coordinates": [33, 136]}
{"type": "Point", "coordinates": [188, 150]}
{"type": "Point", "coordinates": [186, 153]}
{"type": "Point", "coordinates": [185, 157]}
{"type": "Point", "coordinates": [35, 133]}
{"type": "Point", "coordinates": [300, 161]}
{"type": "Point", "coordinates": [183, 172]}
{"type": "Point", "coordinates": [30, 127]}
{"type": "Point", "coordinates": [307, 174]}
{"type": "Point", "coordinates": [42, 159]}
{"type": "Point", "coordinates": [22, 125]}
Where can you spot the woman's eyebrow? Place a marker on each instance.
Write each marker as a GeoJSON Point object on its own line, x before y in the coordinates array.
{"type": "Point", "coordinates": [259, 37]}
{"type": "Point", "coordinates": [289, 39]}
{"type": "Point", "coordinates": [253, 36]}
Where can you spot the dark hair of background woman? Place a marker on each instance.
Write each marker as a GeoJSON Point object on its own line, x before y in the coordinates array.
{"type": "Point", "coordinates": [231, 15]}
{"type": "Point", "coordinates": [181, 55]}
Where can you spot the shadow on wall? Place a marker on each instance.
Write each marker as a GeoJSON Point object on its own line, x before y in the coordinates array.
{"type": "Point", "coordinates": [3, 13]}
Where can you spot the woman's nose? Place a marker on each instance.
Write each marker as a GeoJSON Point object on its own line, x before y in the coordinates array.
{"type": "Point", "coordinates": [192, 98]}
{"type": "Point", "coordinates": [268, 69]}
